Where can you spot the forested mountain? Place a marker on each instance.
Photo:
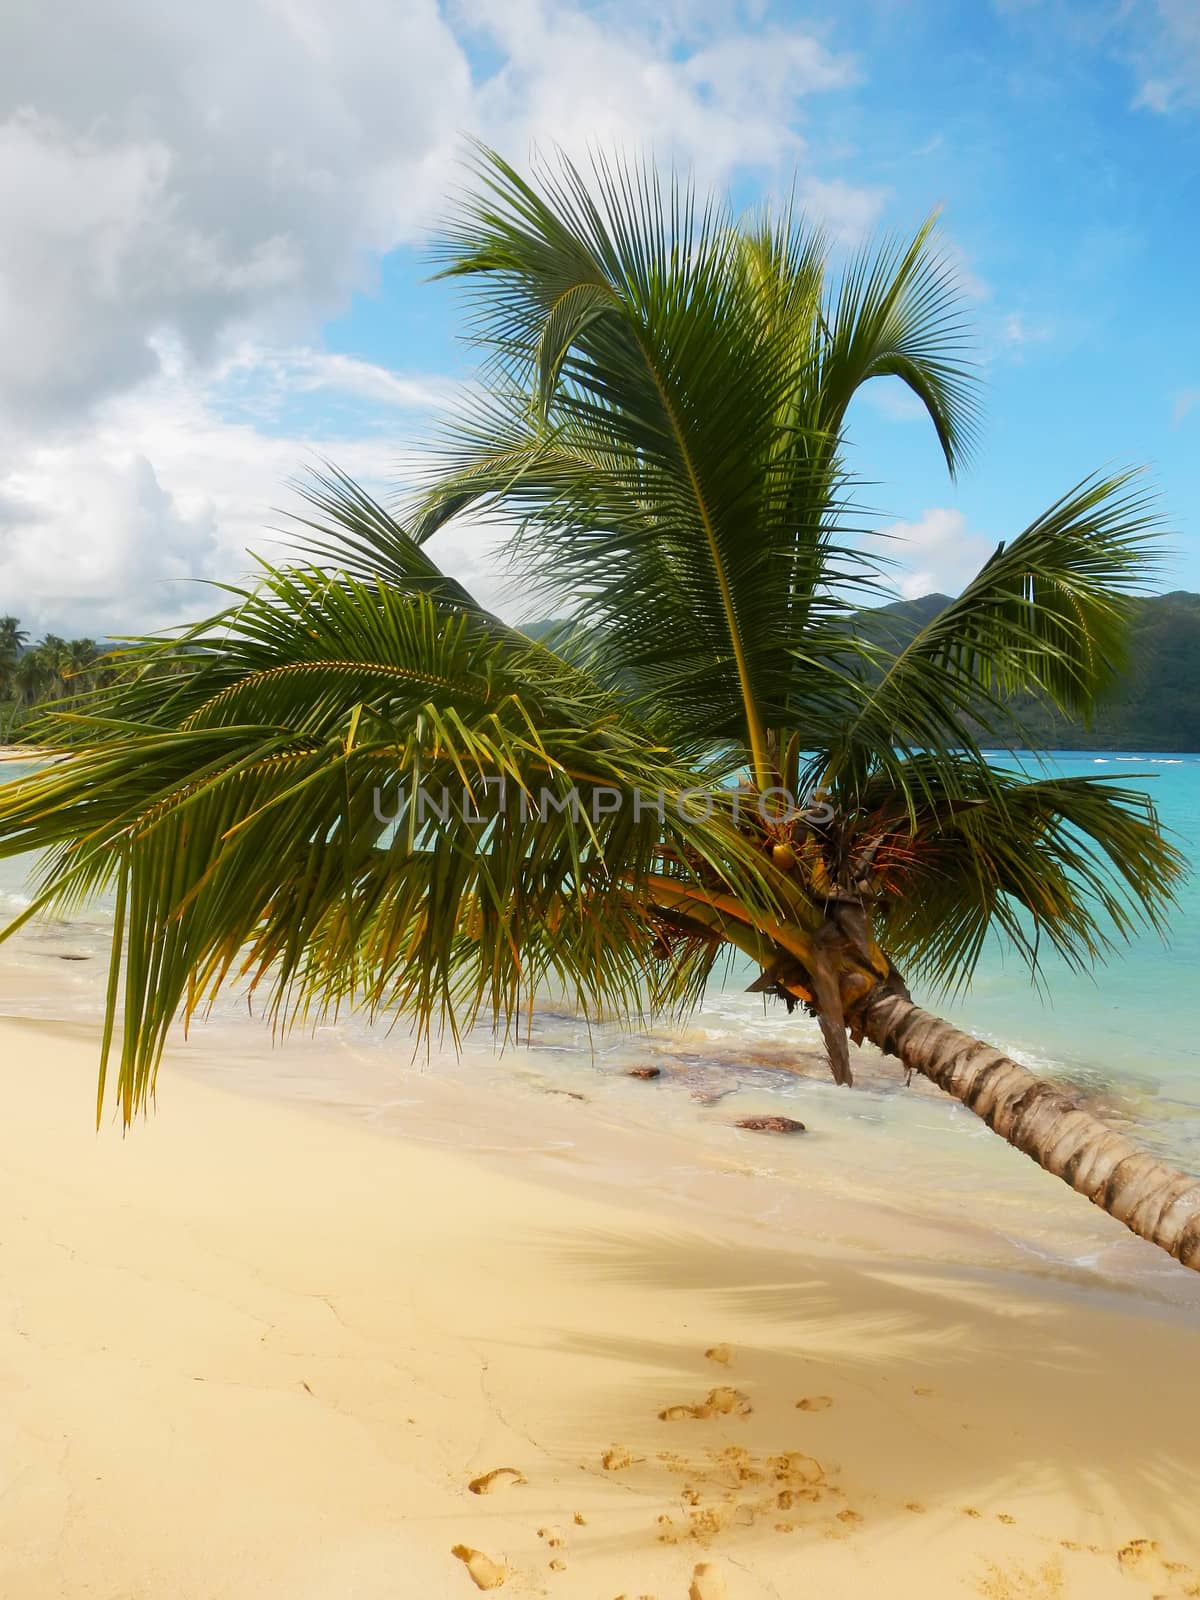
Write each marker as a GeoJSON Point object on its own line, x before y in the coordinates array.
{"type": "Point", "coordinates": [1156, 705]}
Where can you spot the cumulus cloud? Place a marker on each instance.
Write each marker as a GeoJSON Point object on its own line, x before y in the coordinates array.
{"type": "Point", "coordinates": [95, 541]}
{"type": "Point", "coordinates": [188, 193]}
{"type": "Point", "coordinates": [110, 525]}
{"type": "Point", "coordinates": [584, 78]}
{"type": "Point", "coordinates": [938, 553]}
{"type": "Point", "coordinates": [184, 170]}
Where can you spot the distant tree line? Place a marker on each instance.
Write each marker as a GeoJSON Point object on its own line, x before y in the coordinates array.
{"type": "Point", "coordinates": [52, 669]}
{"type": "Point", "coordinates": [1155, 705]}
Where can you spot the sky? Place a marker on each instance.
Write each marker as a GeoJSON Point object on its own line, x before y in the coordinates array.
{"type": "Point", "coordinates": [214, 224]}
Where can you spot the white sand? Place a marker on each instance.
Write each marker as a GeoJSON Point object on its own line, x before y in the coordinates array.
{"type": "Point", "coordinates": [253, 1351]}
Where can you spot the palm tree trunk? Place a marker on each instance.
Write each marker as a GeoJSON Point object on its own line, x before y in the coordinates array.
{"type": "Point", "coordinates": [1149, 1197]}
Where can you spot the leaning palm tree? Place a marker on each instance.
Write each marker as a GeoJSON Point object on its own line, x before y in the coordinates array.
{"type": "Point", "coordinates": [356, 785]}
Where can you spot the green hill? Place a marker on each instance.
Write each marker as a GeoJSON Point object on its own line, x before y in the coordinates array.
{"type": "Point", "coordinates": [1156, 706]}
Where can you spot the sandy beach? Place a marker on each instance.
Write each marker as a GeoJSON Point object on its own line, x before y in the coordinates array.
{"type": "Point", "coordinates": [251, 1349]}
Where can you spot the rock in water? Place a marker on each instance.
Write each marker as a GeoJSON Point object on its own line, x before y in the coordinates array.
{"type": "Point", "coordinates": [486, 1573]}
{"type": "Point", "coordinates": [707, 1583]}
{"type": "Point", "coordinates": [644, 1072]}
{"type": "Point", "coordinates": [771, 1125]}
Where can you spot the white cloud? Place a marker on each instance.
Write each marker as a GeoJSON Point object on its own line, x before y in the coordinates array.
{"type": "Point", "coordinates": [1165, 44]}
{"type": "Point", "coordinates": [188, 193]}
{"type": "Point", "coordinates": [105, 527]}
{"type": "Point", "coordinates": [590, 78]}
{"type": "Point", "coordinates": [190, 171]}
{"type": "Point", "coordinates": [99, 540]}
{"type": "Point", "coordinates": [1018, 331]}
{"type": "Point", "coordinates": [156, 180]}
{"type": "Point", "coordinates": [845, 210]}
{"type": "Point", "coordinates": [938, 552]}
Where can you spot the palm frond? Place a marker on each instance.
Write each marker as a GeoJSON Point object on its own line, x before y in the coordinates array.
{"type": "Point", "coordinates": [235, 810]}
{"type": "Point", "coordinates": [1047, 616]}
{"type": "Point", "coordinates": [1062, 864]}
{"type": "Point", "coordinates": [642, 428]}
{"type": "Point", "coordinates": [898, 313]}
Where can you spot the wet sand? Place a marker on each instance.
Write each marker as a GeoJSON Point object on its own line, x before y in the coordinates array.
{"type": "Point", "coordinates": [254, 1349]}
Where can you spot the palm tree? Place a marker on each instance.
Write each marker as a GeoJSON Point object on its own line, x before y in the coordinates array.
{"type": "Point", "coordinates": [605, 814]}
{"type": "Point", "coordinates": [54, 655]}
{"type": "Point", "coordinates": [12, 639]}
{"type": "Point", "coordinates": [32, 678]}
{"type": "Point", "coordinates": [81, 666]}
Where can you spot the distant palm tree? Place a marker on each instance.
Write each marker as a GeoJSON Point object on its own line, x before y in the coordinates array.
{"type": "Point", "coordinates": [82, 661]}
{"type": "Point", "coordinates": [666, 402]}
{"type": "Point", "coordinates": [54, 655]}
{"type": "Point", "coordinates": [32, 678]}
{"type": "Point", "coordinates": [12, 635]}
{"type": "Point", "coordinates": [12, 638]}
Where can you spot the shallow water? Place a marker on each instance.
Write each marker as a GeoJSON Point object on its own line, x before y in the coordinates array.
{"type": "Point", "coordinates": [1125, 1038]}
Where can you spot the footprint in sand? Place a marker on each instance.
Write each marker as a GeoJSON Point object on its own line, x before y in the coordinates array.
{"type": "Point", "coordinates": [922, 1392]}
{"type": "Point", "coordinates": [485, 1573]}
{"type": "Point", "coordinates": [1022, 1583]}
{"type": "Point", "coordinates": [1143, 1558]}
{"type": "Point", "coordinates": [721, 1402]}
{"type": "Point", "coordinates": [497, 1478]}
{"type": "Point", "coordinates": [707, 1583]}
{"type": "Point", "coordinates": [616, 1459]}
{"type": "Point", "coordinates": [1136, 1554]}
{"type": "Point", "coordinates": [722, 1354]}
{"type": "Point", "coordinates": [815, 1402]}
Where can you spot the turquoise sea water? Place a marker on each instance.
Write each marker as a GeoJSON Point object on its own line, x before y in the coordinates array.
{"type": "Point", "coordinates": [1134, 1022]}
{"type": "Point", "coordinates": [1126, 1036]}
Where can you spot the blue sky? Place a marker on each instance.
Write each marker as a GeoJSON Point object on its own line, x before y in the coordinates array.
{"type": "Point", "coordinates": [1076, 211]}
{"type": "Point", "coordinates": [265, 297]}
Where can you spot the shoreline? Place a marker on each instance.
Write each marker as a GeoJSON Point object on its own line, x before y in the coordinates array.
{"type": "Point", "coordinates": [254, 1349]}
{"type": "Point", "coordinates": [29, 753]}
